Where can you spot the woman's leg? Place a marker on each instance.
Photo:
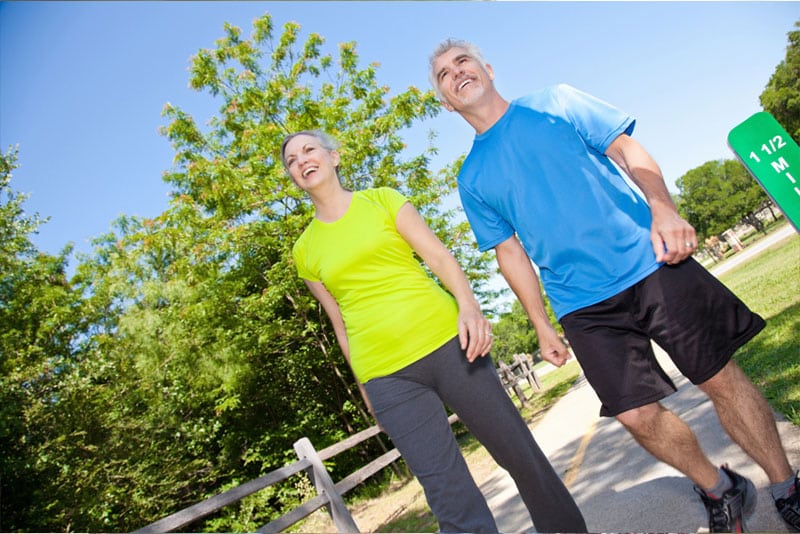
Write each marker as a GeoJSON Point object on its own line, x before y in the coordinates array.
{"type": "Point", "coordinates": [415, 418]}
{"type": "Point", "coordinates": [475, 393]}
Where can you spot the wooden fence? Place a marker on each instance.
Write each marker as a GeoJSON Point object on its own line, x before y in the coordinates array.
{"type": "Point", "coordinates": [511, 375]}
{"type": "Point", "coordinates": [310, 461]}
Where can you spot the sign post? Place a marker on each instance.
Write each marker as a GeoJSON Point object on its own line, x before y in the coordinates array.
{"type": "Point", "coordinates": [773, 158]}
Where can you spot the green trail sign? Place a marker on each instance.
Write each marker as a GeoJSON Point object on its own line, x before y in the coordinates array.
{"type": "Point", "coordinates": [773, 158]}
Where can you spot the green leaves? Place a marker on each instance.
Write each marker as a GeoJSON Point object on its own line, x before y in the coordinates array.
{"type": "Point", "coordinates": [717, 196]}
{"type": "Point", "coordinates": [781, 96]}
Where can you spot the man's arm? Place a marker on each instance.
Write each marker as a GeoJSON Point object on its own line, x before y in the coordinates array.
{"type": "Point", "coordinates": [673, 238]}
{"type": "Point", "coordinates": [517, 269]}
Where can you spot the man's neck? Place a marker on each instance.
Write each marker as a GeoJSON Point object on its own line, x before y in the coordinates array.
{"type": "Point", "coordinates": [485, 116]}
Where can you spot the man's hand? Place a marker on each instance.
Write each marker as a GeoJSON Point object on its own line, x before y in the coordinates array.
{"type": "Point", "coordinates": [552, 347]}
{"type": "Point", "coordinates": [673, 238]}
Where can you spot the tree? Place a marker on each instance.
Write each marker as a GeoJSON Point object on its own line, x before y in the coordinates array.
{"type": "Point", "coordinates": [718, 195]}
{"type": "Point", "coordinates": [781, 96]}
{"type": "Point", "coordinates": [514, 333]}
{"type": "Point", "coordinates": [206, 356]}
{"type": "Point", "coordinates": [40, 326]}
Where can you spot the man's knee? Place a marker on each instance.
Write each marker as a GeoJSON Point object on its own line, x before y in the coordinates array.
{"type": "Point", "coordinates": [640, 417]}
{"type": "Point", "coordinates": [642, 420]}
{"type": "Point", "coordinates": [727, 381]}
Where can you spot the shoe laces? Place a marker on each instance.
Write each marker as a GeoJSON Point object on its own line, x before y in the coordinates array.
{"type": "Point", "coordinates": [723, 513]}
{"type": "Point", "coordinates": [789, 506]}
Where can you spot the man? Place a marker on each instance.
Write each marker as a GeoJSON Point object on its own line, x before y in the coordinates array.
{"type": "Point", "coordinates": [539, 184]}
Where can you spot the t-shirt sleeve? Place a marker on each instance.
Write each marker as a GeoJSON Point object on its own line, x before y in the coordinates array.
{"type": "Point", "coordinates": [488, 226]}
{"type": "Point", "coordinates": [597, 121]}
{"type": "Point", "coordinates": [301, 260]}
{"type": "Point", "coordinates": [389, 198]}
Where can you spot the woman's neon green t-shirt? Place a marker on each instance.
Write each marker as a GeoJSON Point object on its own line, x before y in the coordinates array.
{"type": "Point", "coordinates": [395, 314]}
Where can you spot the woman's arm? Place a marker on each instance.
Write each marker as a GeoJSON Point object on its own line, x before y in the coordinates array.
{"type": "Point", "coordinates": [331, 308]}
{"type": "Point", "coordinates": [474, 330]}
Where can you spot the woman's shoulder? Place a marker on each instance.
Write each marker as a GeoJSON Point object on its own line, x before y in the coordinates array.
{"type": "Point", "coordinates": [380, 192]}
{"type": "Point", "coordinates": [387, 197]}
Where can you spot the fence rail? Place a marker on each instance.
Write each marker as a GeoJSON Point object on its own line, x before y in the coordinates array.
{"type": "Point", "coordinates": [310, 461]}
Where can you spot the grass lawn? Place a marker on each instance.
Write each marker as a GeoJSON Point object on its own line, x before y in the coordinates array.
{"type": "Point", "coordinates": [770, 285]}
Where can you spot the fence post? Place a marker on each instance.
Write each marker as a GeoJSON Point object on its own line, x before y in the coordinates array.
{"type": "Point", "coordinates": [342, 519]}
{"type": "Point", "coordinates": [530, 373]}
{"type": "Point", "coordinates": [511, 380]}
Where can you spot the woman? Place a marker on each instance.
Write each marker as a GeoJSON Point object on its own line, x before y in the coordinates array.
{"type": "Point", "coordinates": [412, 346]}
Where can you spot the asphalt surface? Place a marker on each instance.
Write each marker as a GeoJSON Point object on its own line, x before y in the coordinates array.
{"type": "Point", "coordinates": [620, 487]}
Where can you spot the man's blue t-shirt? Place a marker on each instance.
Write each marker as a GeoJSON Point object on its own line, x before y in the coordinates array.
{"type": "Point", "coordinates": [540, 172]}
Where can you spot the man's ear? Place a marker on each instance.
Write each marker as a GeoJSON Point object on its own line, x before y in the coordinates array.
{"type": "Point", "coordinates": [446, 105]}
{"type": "Point", "coordinates": [490, 71]}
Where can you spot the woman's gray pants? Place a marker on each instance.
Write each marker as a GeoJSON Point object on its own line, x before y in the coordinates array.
{"type": "Point", "coordinates": [410, 406]}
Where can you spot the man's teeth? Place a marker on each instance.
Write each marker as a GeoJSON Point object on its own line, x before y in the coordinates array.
{"type": "Point", "coordinates": [463, 84]}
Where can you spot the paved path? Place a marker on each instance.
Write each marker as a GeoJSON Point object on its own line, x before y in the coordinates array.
{"type": "Point", "coordinates": [757, 247]}
{"type": "Point", "coordinates": [621, 488]}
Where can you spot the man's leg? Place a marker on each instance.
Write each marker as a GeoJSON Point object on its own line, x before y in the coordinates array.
{"type": "Point", "coordinates": [748, 420]}
{"type": "Point", "coordinates": [664, 435]}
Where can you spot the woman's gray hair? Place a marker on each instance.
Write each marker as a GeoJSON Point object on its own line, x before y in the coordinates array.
{"type": "Point", "coordinates": [326, 141]}
{"type": "Point", "coordinates": [470, 48]}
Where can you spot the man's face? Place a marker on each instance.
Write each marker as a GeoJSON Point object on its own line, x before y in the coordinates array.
{"type": "Point", "coordinates": [461, 79]}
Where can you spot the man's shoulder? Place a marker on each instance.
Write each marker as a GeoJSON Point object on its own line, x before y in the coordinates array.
{"type": "Point", "coordinates": [544, 97]}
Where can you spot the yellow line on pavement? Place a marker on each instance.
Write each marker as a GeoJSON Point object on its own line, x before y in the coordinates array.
{"type": "Point", "coordinates": [577, 459]}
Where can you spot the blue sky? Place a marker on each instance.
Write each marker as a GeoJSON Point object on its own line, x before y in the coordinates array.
{"type": "Point", "coordinates": [82, 84]}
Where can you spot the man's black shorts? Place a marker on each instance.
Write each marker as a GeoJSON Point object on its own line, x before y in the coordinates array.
{"type": "Point", "coordinates": [698, 321]}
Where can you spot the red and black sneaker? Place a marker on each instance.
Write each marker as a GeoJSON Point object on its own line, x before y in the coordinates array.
{"type": "Point", "coordinates": [728, 512]}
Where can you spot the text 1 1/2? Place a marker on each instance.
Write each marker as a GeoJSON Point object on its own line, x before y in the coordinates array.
{"type": "Point", "coordinates": [776, 143]}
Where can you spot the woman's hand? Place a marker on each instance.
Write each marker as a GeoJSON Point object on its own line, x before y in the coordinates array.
{"type": "Point", "coordinates": [474, 332]}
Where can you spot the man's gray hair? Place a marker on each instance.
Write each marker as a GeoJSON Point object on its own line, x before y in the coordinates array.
{"type": "Point", "coordinates": [470, 48]}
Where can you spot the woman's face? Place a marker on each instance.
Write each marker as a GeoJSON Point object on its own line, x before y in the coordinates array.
{"type": "Point", "coordinates": [309, 163]}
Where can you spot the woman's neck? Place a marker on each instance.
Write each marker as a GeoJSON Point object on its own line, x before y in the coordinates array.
{"type": "Point", "coordinates": [331, 205]}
